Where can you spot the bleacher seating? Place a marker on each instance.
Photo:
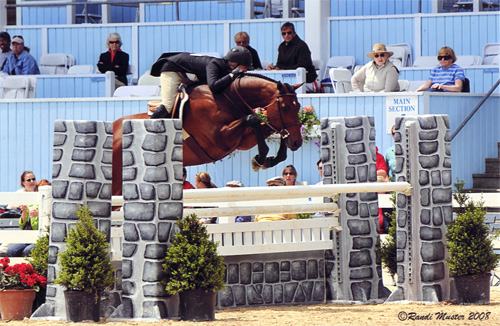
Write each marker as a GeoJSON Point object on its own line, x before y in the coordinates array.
{"type": "Point", "coordinates": [404, 85]}
{"type": "Point", "coordinates": [468, 60]}
{"type": "Point", "coordinates": [341, 80]}
{"type": "Point", "coordinates": [346, 62]}
{"type": "Point", "coordinates": [491, 54]}
{"type": "Point", "coordinates": [147, 79]}
{"type": "Point", "coordinates": [402, 54]}
{"type": "Point", "coordinates": [425, 61]}
{"type": "Point", "coordinates": [55, 63]}
{"type": "Point", "coordinates": [17, 87]}
{"type": "Point", "coordinates": [81, 70]}
{"type": "Point", "coordinates": [137, 91]}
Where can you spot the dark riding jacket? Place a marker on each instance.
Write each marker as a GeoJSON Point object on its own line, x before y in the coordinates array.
{"type": "Point", "coordinates": [119, 65]}
{"type": "Point", "coordinates": [295, 54]}
{"type": "Point", "coordinates": [211, 71]}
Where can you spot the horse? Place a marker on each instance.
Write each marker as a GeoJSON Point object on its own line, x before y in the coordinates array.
{"type": "Point", "coordinates": [215, 126]}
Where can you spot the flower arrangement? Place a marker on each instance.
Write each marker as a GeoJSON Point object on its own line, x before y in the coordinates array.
{"type": "Point", "coordinates": [309, 121]}
{"type": "Point", "coordinates": [19, 276]}
{"type": "Point", "coordinates": [262, 115]}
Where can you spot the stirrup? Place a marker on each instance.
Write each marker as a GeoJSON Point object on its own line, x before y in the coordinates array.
{"type": "Point", "coordinates": [160, 113]}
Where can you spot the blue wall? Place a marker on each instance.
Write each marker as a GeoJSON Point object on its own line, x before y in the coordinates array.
{"type": "Point", "coordinates": [29, 147]}
{"type": "Point", "coordinates": [351, 36]}
{"type": "Point", "coordinates": [44, 15]}
{"type": "Point", "coordinates": [67, 86]}
{"type": "Point", "coordinates": [466, 34]}
{"type": "Point", "coordinates": [195, 10]}
{"type": "Point", "coordinates": [378, 7]}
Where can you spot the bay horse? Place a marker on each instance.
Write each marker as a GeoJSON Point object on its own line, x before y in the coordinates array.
{"type": "Point", "coordinates": [215, 125]}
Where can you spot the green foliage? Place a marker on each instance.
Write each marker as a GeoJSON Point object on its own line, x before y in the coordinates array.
{"type": "Point", "coordinates": [469, 242]}
{"type": "Point", "coordinates": [303, 216]}
{"type": "Point", "coordinates": [86, 262]}
{"type": "Point", "coordinates": [39, 256]}
{"type": "Point", "coordinates": [192, 261]}
{"type": "Point", "coordinates": [388, 249]}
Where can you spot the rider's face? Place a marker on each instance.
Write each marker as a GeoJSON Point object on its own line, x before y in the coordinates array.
{"type": "Point", "coordinates": [233, 65]}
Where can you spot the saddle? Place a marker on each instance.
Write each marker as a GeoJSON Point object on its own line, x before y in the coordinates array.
{"type": "Point", "coordinates": [181, 102]}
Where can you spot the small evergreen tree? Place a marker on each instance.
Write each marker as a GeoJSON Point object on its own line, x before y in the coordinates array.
{"type": "Point", "coordinates": [192, 261]}
{"type": "Point", "coordinates": [86, 262]}
{"type": "Point", "coordinates": [39, 256]}
{"type": "Point", "coordinates": [388, 248]}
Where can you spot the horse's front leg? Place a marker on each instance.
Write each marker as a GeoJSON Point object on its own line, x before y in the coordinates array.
{"type": "Point", "coordinates": [280, 156]}
{"type": "Point", "coordinates": [259, 159]}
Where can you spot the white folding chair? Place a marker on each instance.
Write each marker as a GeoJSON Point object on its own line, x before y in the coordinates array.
{"type": "Point", "coordinates": [147, 79]}
{"type": "Point", "coordinates": [491, 54]}
{"type": "Point", "coordinates": [17, 87]}
{"type": "Point", "coordinates": [402, 50]}
{"type": "Point", "coordinates": [81, 70]}
{"type": "Point", "coordinates": [347, 62]}
{"type": "Point", "coordinates": [414, 84]}
{"type": "Point", "coordinates": [468, 60]}
{"type": "Point", "coordinates": [54, 64]}
{"type": "Point", "coordinates": [341, 80]}
{"type": "Point", "coordinates": [404, 85]}
{"type": "Point", "coordinates": [137, 91]}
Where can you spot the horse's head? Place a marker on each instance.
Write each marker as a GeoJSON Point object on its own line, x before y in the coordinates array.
{"type": "Point", "coordinates": [280, 102]}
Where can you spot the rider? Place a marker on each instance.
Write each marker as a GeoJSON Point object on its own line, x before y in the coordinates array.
{"type": "Point", "coordinates": [216, 73]}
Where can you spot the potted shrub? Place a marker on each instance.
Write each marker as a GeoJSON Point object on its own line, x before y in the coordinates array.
{"type": "Point", "coordinates": [85, 268]}
{"type": "Point", "coordinates": [18, 285]}
{"type": "Point", "coordinates": [388, 248]}
{"type": "Point", "coordinates": [471, 257]}
{"type": "Point", "coordinates": [39, 258]}
{"type": "Point", "coordinates": [194, 270]}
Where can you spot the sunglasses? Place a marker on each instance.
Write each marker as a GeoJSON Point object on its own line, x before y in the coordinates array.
{"type": "Point", "coordinates": [114, 42]}
{"type": "Point", "coordinates": [444, 57]}
{"type": "Point", "coordinates": [30, 180]}
{"type": "Point", "coordinates": [286, 33]}
{"type": "Point", "coordinates": [288, 173]}
{"type": "Point", "coordinates": [242, 43]}
{"type": "Point", "coordinates": [381, 55]}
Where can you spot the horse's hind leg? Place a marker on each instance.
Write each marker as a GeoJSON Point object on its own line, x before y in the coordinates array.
{"type": "Point", "coordinates": [259, 159]}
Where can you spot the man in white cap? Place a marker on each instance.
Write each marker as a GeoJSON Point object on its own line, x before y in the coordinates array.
{"type": "Point", "coordinates": [216, 73]}
{"type": "Point", "coordinates": [19, 61]}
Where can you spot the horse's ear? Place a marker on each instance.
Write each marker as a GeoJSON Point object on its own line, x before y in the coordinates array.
{"type": "Point", "coordinates": [296, 86]}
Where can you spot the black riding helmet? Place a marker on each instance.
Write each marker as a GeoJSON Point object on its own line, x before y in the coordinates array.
{"type": "Point", "coordinates": [240, 55]}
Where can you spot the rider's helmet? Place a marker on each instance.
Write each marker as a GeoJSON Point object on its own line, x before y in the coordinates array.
{"type": "Point", "coordinates": [240, 55]}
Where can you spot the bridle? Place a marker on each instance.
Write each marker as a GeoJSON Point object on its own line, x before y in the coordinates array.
{"type": "Point", "coordinates": [282, 130]}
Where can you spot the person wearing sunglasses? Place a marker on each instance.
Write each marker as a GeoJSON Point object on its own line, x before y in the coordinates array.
{"type": "Point", "coordinates": [20, 61]}
{"type": "Point", "coordinates": [243, 39]}
{"type": "Point", "coordinates": [448, 76]}
{"type": "Point", "coordinates": [293, 53]}
{"type": "Point", "coordinates": [289, 174]}
{"type": "Point", "coordinates": [28, 182]}
{"type": "Point", "coordinates": [379, 75]}
{"type": "Point", "coordinates": [115, 60]}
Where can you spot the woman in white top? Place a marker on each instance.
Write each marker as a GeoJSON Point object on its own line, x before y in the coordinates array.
{"type": "Point", "coordinates": [28, 182]}
{"type": "Point", "coordinates": [378, 75]}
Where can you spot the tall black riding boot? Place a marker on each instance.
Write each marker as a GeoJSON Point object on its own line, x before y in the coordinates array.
{"type": "Point", "coordinates": [160, 113]}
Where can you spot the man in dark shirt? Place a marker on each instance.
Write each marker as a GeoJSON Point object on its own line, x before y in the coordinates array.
{"type": "Point", "coordinates": [216, 73]}
{"type": "Point", "coordinates": [294, 53]}
{"type": "Point", "coordinates": [243, 39]}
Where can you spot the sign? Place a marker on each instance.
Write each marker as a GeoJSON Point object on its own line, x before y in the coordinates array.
{"type": "Point", "coordinates": [399, 106]}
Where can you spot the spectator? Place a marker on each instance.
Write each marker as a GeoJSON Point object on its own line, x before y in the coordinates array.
{"type": "Point", "coordinates": [4, 48]}
{"type": "Point", "coordinates": [43, 182]}
{"type": "Point", "coordinates": [390, 157]}
{"type": "Point", "coordinates": [447, 77]}
{"type": "Point", "coordinates": [186, 184]}
{"type": "Point", "coordinates": [19, 61]}
{"type": "Point", "coordinates": [243, 39]}
{"type": "Point", "coordinates": [114, 60]}
{"type": "Point", "coordinates": [29, 216]}
{"type": "Point", "coordinates": [379, 75]}
{"type": "Point", "coordinates": [243, 218]}
{"type": "Point", "coordinates": [274, 182]}
{"type": "Point", "coordinates": [319, 165]}
{"type": "Point", "coordinates": [216, 73]}
{"type": "Point", "coordinates": [202, 181]}
{"type": "Point", "coordinates": [381, 167]}
{"type": "Point", "coordinates": [294, 53]}
{"type": "Point", "coordinates": [289, 174]}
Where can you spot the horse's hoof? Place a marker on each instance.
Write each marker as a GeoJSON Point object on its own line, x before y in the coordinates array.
{"type": "Point", "coordinates": [256, 166]}
{"type": "Point", "coordinates": [160, 113]}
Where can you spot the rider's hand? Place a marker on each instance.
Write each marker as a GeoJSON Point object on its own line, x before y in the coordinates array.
{"type": "Point", "coordinates": [236, 72]}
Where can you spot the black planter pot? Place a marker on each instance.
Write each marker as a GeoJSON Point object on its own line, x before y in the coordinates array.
{"type": "Point", "coordinates": [473, 288]}
{"type": "Point", "coordinates": [81, 305]}
{"type": "Point", "coordinates": [197, 304]}
{"type": "Point", "coordinates": [39, 298]}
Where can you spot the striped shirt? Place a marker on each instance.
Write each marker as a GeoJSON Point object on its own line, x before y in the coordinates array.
{"type": "Point", "coordinates": [447, 76]}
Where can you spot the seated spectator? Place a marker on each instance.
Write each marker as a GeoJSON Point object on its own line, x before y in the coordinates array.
{"type": "Point", "coordinates": [43, 182]}
{"type": "Point", "coordinates": [289, 174]}
{"type": "Point", "coordinates": [114, 60]}
{"type": "Point", "coordinates": [319, 165]}
{"type": "Point", "coordinates": [447, 77]}
{"type": "Point", "coordinates": [381, 167]}
{"type": "Point", "coordinates": [243, 39]}
{"type": "Point", "coordinates": [379, 75]}
{"type": "Point", "coordinates": [4, 48]}
{"type": "Point", "coordinates": [244, 218]}
{"type": "Point", "coordinates": [294, 53]}
{"type": "Point", "coordinates": [19, 61]}
{"type": "Point", "coordinates": [185, 184]}
{"type": "Point", "coordinates": [29, 217]}
{"type": "Point", "coordinates": [273, 182]}
{"type": "Point", "coordinates": [202, 181]}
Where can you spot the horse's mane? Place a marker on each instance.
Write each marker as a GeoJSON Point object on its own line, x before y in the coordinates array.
{"type": "Point", "coordinates": [261, 77]}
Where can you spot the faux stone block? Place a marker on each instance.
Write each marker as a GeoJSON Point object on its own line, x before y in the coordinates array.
{"type": "Point", "coordinates": [155, 126]}
{"type": "Point", "coordinates": [356, 159]}
{"type": "Point", "coordinates": [267, 294]}
{"type": "Point", "coordinates": [437, 218]}
{"type": "Point", "coordinates": [427, 122]}
{"type": "Point", "coordinates": [271, 272]}
{"type": "Point", "coordinates": [80, 170]}
{"type": "Point", "coordinates": [432, 272]}
{"type": "Point", "coordinates": [126, 268]}
{"type": "Point", "coordinates": [298, 270]}
{"type": "Point", "coordinates": [258, 277]}
{"type": "Point", "coordinates": [85, 141]}
{"type": "Point", "coordinates": [361, 273]}
{"type": "Point", "coordinates": [245, 273]}
{"type": "Point", "coordinates": [361, 242]}
{"type": "Point", "coordinates": [259, 267]}
{"type": "Point", "coordinates": [64, 210]}
{"type": "Point", "coordinates": [361, 290]}
{"type": "Point", "coordinates": [147, 191]}
{"type": "Point", "coordinates": [155, 251]}
{"type": "Point", "coordinates": [352, 207]}
{"type": "Point", "coordinates": [129, 249]}
{"type": "Point", "coordinates": [425, 216]}
{"type": "Point", "coordinates": [147, 231]}
{"type": "Point", "coordinates": [401, 239]}
{"type": "Point", "coordinates": [285, 277]}
{"type": "Point", "coordinates": [350, 173]}
{"type": "Point", "coordinates": [428, 162]}
{"type": "Point", "coordinates": [363, 210]}
{"type": "Point", "coordinates": [99, 209]}
{"type": "Point", "coordinates": [425, 197]}
{"type": "Point", "coordinates": [164, 231]}
{"type": "Point", "coordinates": [423, 177]}
{"type": "Point", "coordinates": [152, 271]}
{"type": "Point", "coordinates": [156, 174]}
{"type": "Point", "coordinates": [359, 258]}
{"type": "Point", "coordinates": [436, 178]}
{"type": "Point", "coordinates": [432, 251]}
{"type": "Point", "coordinates": [289, 291]}
{"type": "Point", "coordinates": [154, 290]}
{"type": "Point", "coordinates": [177, 154]}
{"type": "Point", "coordinates": [239, 295]}
{"type": "Point", "coordinates": [130, 191]}
{"type": "Point", "coordinates": [312, 269]}
{"type": "Point", "coordinates": [232, 273]}
{"type": "Point", "coordinates": [358, 227]}
{"type": "Point", "coordinates": [356, 148]}
{"type": "Point", "coordinates": [170, 211]}
{"type": "Point", "coordinates": [354, 135]}
{"type": "Point", "coordinates": [59, 188]}
{"type": "Point", "coordinates": [154, 143]}
{"type": "Point", "coordinates": [441, 196]}
{"type": "Point", "coordinates": [427, 233]}
{"type": "Point", "coordinates": [352, 122]}
{"type": "Point", "coordinates": [278, 293]}
{"type": "Point", "coordinates": [428, 147]}
{"type": "Point", "coordinates": [428, 135]}
{"type": "Point", "coordinates": [402, 217]}
{"type": "Point", "coordinates": [432, 293]}
{"type": "Point", "coordinates": [253, 297]}
{"type": "Point", "coordinates": [163, 191]}
{"type": "Point", "coordinates": [130, 232]}
{"type": "Point", "coordinates": [226, 297]}
{"type": "Point", "coordinates": [285, 266]}
{"type": "Point", "coordinates": [105, 193]}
